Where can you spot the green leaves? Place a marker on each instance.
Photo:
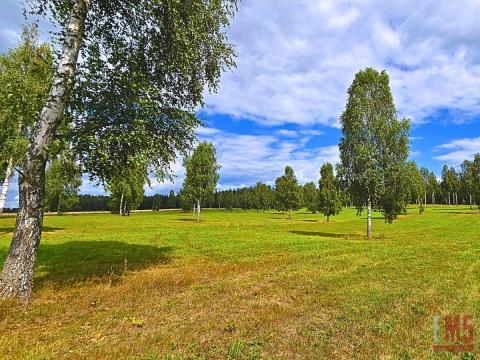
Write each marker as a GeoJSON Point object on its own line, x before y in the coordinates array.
{"type": "Point", "coordinates": [330, 203]}
{"type": "Point", "coordinates": [288, 194]}
{"type": "Point", "coordinates": [143, 69]}
{"type": "Point", "coordinates": [63, 178]}
{"type": "Point", "coordinates": [127, 190]}
{"type": "Point", "coordinates": [25, 78]}
{"type": "Point", "coordinates": [201, 173]}
{"type": "Point", "coordinates": [374, 146]}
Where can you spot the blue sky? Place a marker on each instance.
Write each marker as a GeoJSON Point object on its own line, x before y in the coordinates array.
{"type": "Point", "coordinates": [295, 62]}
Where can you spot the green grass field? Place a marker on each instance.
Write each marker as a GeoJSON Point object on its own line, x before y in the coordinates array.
{"type": "Point", "coordinates": [244, 285]}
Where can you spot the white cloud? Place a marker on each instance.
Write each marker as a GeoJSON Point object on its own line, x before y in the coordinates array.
{"type": "Point", "coordinates": [459, 150]}
{"type": "Point", "coordinates": [297, 59]}
{"type": "Point", "coordinates": [246, 159]}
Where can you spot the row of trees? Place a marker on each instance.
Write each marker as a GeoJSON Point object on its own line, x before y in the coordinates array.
{"type": "Point", "coordinates": [425, 189]}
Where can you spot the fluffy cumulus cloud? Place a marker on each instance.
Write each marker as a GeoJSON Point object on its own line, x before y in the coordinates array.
{"type": "Point", "coordinates": [297, 58]}
{"type": "Point", "coordinates": [458, 150]}
{"type": "Point", "coordinates": [246, 159]}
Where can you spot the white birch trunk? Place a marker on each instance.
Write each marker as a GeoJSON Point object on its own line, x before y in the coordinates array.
{"type": "Point", "coordinates": [369, 218]}
{"type": "Point", "coordinates": [17, 275]}
{"type": "Point", "coordinates": [121, 205]}
{"type": "Point", "coordinates": [198, 211]}
{"type": "Point", "coordinates": [6, 185]}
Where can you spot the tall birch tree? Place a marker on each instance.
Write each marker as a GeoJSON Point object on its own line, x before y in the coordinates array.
{"type": "Point", "coordinates": [201, 175]}
{"type": "Point", "coordinates": [288, 195]}
{"type": "Point", "coordinates": [374, 147]}
{"type": "Point", "coordinates": [330, 203]}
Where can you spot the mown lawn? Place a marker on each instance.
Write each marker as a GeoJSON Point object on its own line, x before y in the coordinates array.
{"type": "Point", "coordinates": [244, 286]}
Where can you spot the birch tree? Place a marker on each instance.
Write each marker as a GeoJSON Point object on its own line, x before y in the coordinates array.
{"type": "Point", "coordinates": [25, 77]}
{"type": "Point", "coordinates": [288, 195]}
{"type": "Point", "coordinates": [330, 203]}
{"type": "Point", "coordinates": [467, 180]}
{"type": "Point", "coordinates": [476, 179]}
{"type": "Point", "coordinates": [417, 185]}
{"type": "Point", "coordinates": [145, 65]}
{"type": "Point", "coordinates": [310, 197]}
{"type": "Point", "coordinates": [201, 175]}
{"type": "Point", "coordinates": [374, 147]}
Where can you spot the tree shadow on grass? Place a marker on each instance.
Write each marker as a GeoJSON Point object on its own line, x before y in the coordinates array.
{"type": "Point", "coordinates": [73, 262]}
{"type": "Point", "coordinates": [11, 229]}
{"type": "Point", "coordinates": [329, 235]}
{"type": "Point", "coordinates": [468, 212]}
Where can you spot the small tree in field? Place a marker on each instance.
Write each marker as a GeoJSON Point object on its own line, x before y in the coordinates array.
{"type": "Point", "coordinates": [374, 147]}
{"type": "Point", "coordinates": [127, 190]}
{"type": "Point", "coordinates": [330, 203]}
{"type": "Point", "coordinates": [201, 175]}
{"type": "Point", "coordinates": [310, 197]}
{"type": "Point", "coordinates": [467, 180]}
{"type": "Point", "coordinates": [417, 185]}
{"type": "Point", "coordinates": [287, 192]}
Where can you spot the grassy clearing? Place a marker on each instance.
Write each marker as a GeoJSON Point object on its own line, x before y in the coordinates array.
{"type": "Point", "coordinates": [244, 286]}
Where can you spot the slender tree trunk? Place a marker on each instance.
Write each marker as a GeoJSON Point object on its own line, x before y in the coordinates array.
{"type": "Point", "coordinates": [425, 199]}
{"type": "Point", "coordinates": [198, 211]}
{"type": "Point", "coordinates": [120, 210]}
{"type": "Point", "coordinates": [369, 218]}
{"type": "Point", "coordinates": [328, 218]}
{"type": "Point", "coordinates": [433, 197]}
{"type": "Point", "coordinates": [289, 215]}
{"type": "Point", "coordinates": [470, 195]}
{"type": "Point", "coordinates": [6, 185]}
{"type": "Point", "coordinates": [17, 276]}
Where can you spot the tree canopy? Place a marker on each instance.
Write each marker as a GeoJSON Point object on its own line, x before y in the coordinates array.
{"type": "Point", "coordinates": [287, 192]}
{"type": "Point", "coordinates": [330, 203]}
{"type": "Point", "coordinates": [63, 179]}
{"type": "Point", "coordinates": [201, 174]}
{"type": "Point", "coordinates": [374, 146]}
